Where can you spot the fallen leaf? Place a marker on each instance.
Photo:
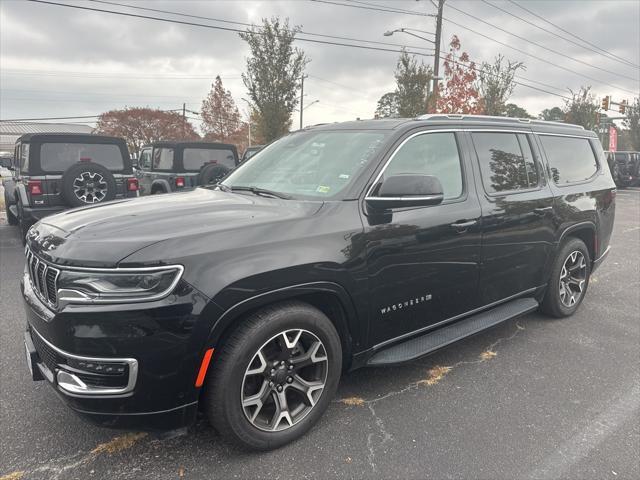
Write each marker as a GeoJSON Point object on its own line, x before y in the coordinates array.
{"type": "Point", "coordinates": [352, 401]}
{"type": "Point", "coordinates": [435, 375]}
{"type": "Point", "coordinates": [118, 444]}
{"type": "Point", "coordinates": [487, 355]}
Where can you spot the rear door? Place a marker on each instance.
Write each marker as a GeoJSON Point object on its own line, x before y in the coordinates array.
{"type": "Point", "coordinates": [518, 229]}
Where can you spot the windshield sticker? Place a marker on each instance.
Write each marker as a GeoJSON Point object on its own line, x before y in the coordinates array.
{"type": "Point", "coordinates": [344, 176]}
{"type": "Point", "coordinates": [323, 189]}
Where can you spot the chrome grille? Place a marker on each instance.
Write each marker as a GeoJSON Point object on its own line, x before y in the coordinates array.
{"type": "Point", "coordinates": [44, 278]}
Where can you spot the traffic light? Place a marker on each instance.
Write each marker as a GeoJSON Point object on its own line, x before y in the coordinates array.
{"type": "Point", "coordinates": [605, 103]}
{"type": "Point", "coordinates": [623, 106]}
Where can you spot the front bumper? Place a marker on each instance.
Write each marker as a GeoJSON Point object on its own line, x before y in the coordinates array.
{"type": "Point", "coordinates": [122, 366]}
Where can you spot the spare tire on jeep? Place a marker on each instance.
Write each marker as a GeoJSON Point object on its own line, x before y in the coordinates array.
{"type": "Point", "coordinates": [87, 183]}
{"type": "Point", "coordinates": [212, 173]}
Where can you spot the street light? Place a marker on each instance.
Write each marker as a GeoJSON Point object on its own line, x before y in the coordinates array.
{"type": "Point", "coordinates": [388, 33]}
{"type": "Point", "coordinates": [315, 101]}
{"type": "Point", "coordinates": [436, 59]}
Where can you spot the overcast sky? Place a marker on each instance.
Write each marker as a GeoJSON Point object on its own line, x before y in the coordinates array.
{"type": "Point", "coordinates": [57, 61]}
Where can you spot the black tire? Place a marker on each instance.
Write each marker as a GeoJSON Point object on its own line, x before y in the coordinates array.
{"type": "Point", "coordinates": [11, 218]}
{"type": "Point", "coordinates": [212, 173]}
{"type": "Point", "coordinates": [225, 380]}
{"type": "Point", "coordinates": [97, 183]}
{"type": "Point", "coordinates": [555, 303]}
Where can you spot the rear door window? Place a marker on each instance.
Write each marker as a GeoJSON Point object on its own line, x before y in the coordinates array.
{"type": "Point", "coordinates": [506, 162]}
{"type": "Point", "coordinates": [571, 159]}
{"type": "Point", "coordinates": [195, 158]}
{"type": "Point", "coordinates": [57, 157]}
{"type": "Point", "coordinates": [163, 158]}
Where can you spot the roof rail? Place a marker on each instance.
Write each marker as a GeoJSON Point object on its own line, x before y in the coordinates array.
{"type": "Point", "coordinates": [492, 118]}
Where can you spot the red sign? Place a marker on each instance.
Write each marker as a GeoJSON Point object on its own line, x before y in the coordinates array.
{"type": "Point", "coordinates": [613, 139]}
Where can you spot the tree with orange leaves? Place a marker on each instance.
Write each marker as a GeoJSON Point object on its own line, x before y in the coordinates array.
{"type": "Point", "coordinates": [458, 92]}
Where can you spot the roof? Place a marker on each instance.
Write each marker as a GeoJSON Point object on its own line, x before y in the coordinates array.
{"type": "Point", "coordinates": [57, 136]}
{"type": "Point", "coordinates": [20, 128]}
{"type": "Point", "coordinates": [457, 120]}
{"type": "Point", "coordinates": [190, 143]}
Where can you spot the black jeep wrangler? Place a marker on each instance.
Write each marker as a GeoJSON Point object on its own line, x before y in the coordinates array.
{"type": "Point", "coordinates": [365, 243]}
{"type": "Point", "coordinates": [165, 167]}
{"type": "Point", "coordinates": [56, 171]}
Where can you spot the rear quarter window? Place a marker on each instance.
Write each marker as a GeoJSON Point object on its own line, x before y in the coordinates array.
{"type": "Point", "coordinates": [571, 159]}
{"type": "Point", "coordinates": [57, 157]}
{"type": "Point", "coordinates": [195, 158]}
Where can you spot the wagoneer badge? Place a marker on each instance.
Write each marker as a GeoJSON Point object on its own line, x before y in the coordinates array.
{"type": "Point", "coordinates": [405, 304]}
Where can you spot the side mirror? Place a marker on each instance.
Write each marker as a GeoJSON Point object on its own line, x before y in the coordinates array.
{"type": "Point", "coordinates": [407, 190]}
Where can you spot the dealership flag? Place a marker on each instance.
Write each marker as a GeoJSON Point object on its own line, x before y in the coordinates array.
{"type": "Point", "coordinates": [613, 139]}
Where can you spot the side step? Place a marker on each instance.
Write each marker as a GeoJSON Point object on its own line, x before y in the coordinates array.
{"type": "Point", "coordinates": [429, 342]}
{"type": "Point", "coordinates": [14, 210]}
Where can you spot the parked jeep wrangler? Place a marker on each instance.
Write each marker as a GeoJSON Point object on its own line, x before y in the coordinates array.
{"type": "Point", "coordinates": [178, 166]}
{"type": "Point", "coordinates": [365, 243]}
{"type": "Point", "coordinates": [56, 171]}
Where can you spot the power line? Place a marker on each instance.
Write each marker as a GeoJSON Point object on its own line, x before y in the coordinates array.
{"type": "Point", "coordinates": [245, 24]}
{"type": "Point", "coordinates": [539, 45]}
{"type": "Point", "coordinates": [66, 73]}
{"type": "Point", "coordinates": [216, 27]}
{"type": "Point", "coordinates": [571, 34]}
{"type": "Point", "coordinates": [374, 7]}
{"type": "Point", "coordinates": [551, 32]}
{"type": "Point", "coordinates": [363, 5]}
{"type": "Point", "coordinates": [47, 118]}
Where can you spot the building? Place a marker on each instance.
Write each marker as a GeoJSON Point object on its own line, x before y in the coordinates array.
{"type": "Point", "coordinates": [10, 131]}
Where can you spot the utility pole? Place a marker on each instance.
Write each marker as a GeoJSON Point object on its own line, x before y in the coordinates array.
{"type": "Point", "coordinates": [301, 98]}
{"type": "Point", "coordinates": [184, 119]}
{"type": "Point", "coordinates": [436, 58]}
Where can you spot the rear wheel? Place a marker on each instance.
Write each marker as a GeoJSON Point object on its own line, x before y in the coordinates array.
{"type": "Point", "coordinates": [274, 376]}
{"type": "Point", "coordinates": [569, 279]}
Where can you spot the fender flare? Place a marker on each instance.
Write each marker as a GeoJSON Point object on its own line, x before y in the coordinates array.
{"type": "Point", "coordinates": [22, 193]}
{"type": "Point", "coordinates": [163, 183]}
{"type": "Point", "coordinates": [346, 325]}
{"type": "Point", "coordinates": [577, 226]}
{"type": "Point", "coordinates": [9, 186]}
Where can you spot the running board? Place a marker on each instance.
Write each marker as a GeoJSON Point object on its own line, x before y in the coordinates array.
{"type": "Point", "coordinates": [429, 342]}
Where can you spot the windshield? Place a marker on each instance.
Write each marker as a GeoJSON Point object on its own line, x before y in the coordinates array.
{"type": "Point", "coordinates": [314, 164]}
{"type": "Point", "coordinates": [57, 157]}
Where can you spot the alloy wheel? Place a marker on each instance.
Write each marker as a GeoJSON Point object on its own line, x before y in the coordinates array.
{"type": "Point", "coordinates": [284, 380]}
{"type": "Point", "coordinates": [573, 277]}
{"type": "Point", "coordinates": [90, 187]}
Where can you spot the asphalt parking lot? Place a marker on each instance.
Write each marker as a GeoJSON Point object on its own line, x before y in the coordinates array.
{"type": "Point", "coordinates": [532, 398]}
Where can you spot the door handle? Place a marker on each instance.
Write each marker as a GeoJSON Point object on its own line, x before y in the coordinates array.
{"type": "Point", "coordinates": [462, 226]}
{"type": "Point", "coordinates": [542, 210]}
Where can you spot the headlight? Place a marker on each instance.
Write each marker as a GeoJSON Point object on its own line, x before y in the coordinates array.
{"type": "Point", "coordinates": [118, 285]}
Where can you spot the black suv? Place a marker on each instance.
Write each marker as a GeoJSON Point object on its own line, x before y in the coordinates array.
{"type": "Point", "coordinates": [365, 243]}
{"type": "Point", "coordinates": [177, 166]}
{"type": "Point", "coordinates": [57, 171]}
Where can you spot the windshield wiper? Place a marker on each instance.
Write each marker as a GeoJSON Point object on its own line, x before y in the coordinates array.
{"type": "Point", "coordinates": [260, 191]}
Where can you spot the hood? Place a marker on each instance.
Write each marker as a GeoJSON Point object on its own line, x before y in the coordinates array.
{"type": "Point", "coordinates": [102, 235]}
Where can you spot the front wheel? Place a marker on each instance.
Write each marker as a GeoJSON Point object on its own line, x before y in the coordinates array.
{"type": "Point", "coordinates": [274, 376]}
{"type": "Point", "coordinates": [569, 279]}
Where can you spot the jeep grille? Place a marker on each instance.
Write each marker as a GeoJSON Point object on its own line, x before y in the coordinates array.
{"type": "Point", "coordinates": [43, 277]}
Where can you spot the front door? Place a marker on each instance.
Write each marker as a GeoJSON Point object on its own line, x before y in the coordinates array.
{"type": "Point", "coordinates": [518, 229]}
{"type": "Point", "coordinates": [423, 263]}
